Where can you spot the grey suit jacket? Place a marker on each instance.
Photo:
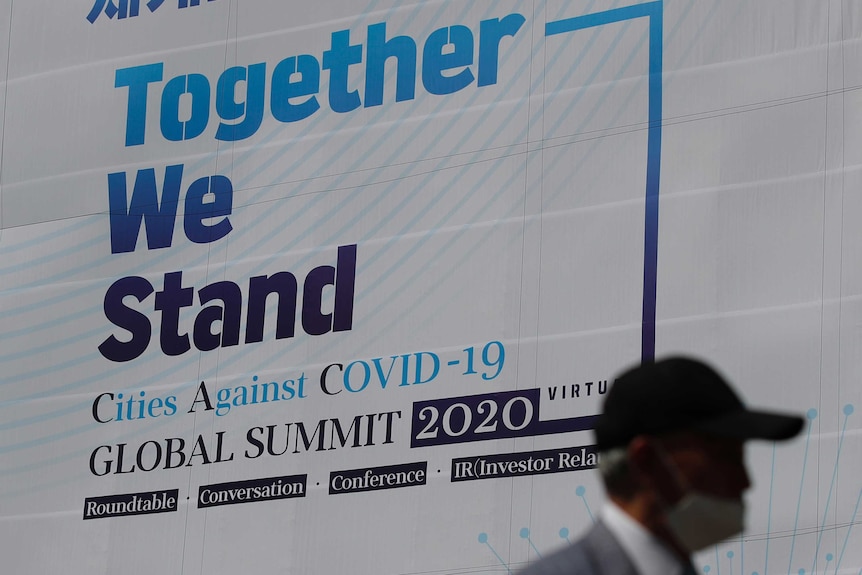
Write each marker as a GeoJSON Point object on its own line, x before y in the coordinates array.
{"type": "Point", "coordinates": [597, 553]}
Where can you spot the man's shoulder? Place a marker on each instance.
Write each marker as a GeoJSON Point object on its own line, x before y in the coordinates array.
{"type": "Point", "coordinates": [594, 554]}
{"type": "Point", "coordinates": [570, 560]}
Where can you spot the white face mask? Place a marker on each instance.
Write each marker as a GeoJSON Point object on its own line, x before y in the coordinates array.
{"type": "Point", "coordinates": [698, 520]}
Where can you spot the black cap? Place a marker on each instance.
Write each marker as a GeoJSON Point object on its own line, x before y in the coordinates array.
{"type": "Point", "coordinates": [680, 394]}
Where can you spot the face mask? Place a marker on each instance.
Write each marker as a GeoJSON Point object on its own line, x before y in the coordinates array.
{"type": "Point", "coordinates": [699, 520]}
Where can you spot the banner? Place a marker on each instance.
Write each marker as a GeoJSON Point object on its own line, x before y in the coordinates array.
{"type": "Point", "coordinates": [311, 287]}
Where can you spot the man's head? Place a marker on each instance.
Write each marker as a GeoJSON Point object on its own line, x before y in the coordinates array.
{"type": "Point", "coordinates": [671, 435]}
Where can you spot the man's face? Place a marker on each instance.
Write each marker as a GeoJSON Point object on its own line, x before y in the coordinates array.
{"type": "Point", "coordinates": [711, 465]}
{"type": "Point", "coordinates": [669, 468]}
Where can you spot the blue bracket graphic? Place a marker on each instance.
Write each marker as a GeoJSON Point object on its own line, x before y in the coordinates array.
{"type": "Point", "coordinates": [653, 11]}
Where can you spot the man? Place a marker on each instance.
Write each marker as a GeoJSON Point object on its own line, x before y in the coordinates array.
{"type": "Point", "coordinates": [671, 440]}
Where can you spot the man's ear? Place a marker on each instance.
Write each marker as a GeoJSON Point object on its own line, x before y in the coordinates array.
{"type": "Point", "coordinates": [652, 468]}
{"type": "Point", "coordinates": [643, 456]}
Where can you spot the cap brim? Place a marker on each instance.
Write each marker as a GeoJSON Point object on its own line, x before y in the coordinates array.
{"type": "Point", "coordinates": [745, 424]}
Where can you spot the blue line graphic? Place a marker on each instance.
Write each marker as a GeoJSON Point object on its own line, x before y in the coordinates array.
{"type": "Point", "coordinates": [581, 492]}
{"type": "Point", "coordinates": [769, 512]}
{"type": "Point", "coordinates": [847, 536]}
{"type": "Point", "coordinates": [525, 534]}
{"type": "Point", "coordinates": [654, 11]}
{"type": "Point", "coordinates": [483, 538]}
{"type": "Point", "coordinates": [848, 409]}
{"type": "Point", "coordinates": [812, 413]}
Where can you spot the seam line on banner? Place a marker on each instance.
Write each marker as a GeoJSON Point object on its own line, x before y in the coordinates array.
{"type": "Point", "coordinates": [719, 113]}
{"type": "Point", "coordinates": [5, 94]}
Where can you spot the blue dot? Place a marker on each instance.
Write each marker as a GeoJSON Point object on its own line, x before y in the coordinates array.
{"type": "Point", "coordinates": [812, 413]}
{"type": "Point", "coordinates": [483, 537]}
{"type": "Point", "coordinates": [564, 533]}
{"type": "Point", "coordinates": [524, 532]}
{"type": "Point", "coordinates": [754, 573]}
{"type": "Point", "coordinates": [580, 491]}
{"type": "Point", "coordinates": [730, 554]}
{"type": "Point", "coordinates": [706, 568]}
{"type": "Point", "coordinates": [848, 409]}
{"type": "Point", "coordinates": [829, 556]}
{"type": "Point", "coordinates": [802, 572]}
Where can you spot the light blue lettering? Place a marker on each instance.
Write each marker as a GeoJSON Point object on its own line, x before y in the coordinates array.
{"type": "Point", "coordinates": [250, 110]}
{"type": "Point", "coordinates": [284, 89]}
{"type": "Point", "coordinates": [435, 61]}
{"type": "Point", "coordinates": [338, 60]}
{"type": "Point", "coordinates": [403, 49]}
{"type": "Point", "coordinates": [490, 34]}
{"type": "Point", "coordinates": [172, 127]}
{"type": "Point", "coordinates": [137, 79]}
{"type": "Point", "coordinates": [448, 59]}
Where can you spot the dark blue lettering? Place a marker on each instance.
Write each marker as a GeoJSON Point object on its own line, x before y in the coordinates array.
{"type": "Point", "coordinates": [169, 301]}
{"type": "Point", "coordinates": [314, 321]}
{"type": "Point", "coordinates": [345, 284]}
{"type": "Point", "coordinates": [125, 317]}
{"type": "Point", "coordinates": [198, 209]}
{"type": "Point", "coordinates": [284, 285]}
{"type": "Point", "coordinates": [230, 314]}
{"type": "Point", "coordinates": [125, 219]}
